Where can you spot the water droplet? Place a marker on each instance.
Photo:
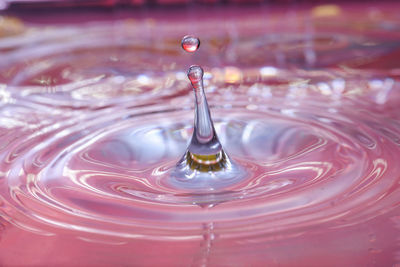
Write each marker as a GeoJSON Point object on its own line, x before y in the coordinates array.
{"type": "Point", "coordinates": [205, 142]}
{"type": "Point", "coordinates": [205, 148]}
{"type": "Point", "coordinates": [190, 43]}
{"type": "Point", "coordinates": [204, 166]}
{"type": "Point", "coordinates": [195, 75]}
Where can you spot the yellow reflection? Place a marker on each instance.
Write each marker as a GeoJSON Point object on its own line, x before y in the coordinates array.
{"type": "Point", "coordinates": [232, 75]}
{"type": "Point", "coordinates": [326, 11]}
{"type": "Point", "coordinates": [10, 26]}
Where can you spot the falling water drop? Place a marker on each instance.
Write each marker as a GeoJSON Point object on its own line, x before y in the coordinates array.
{"type": "Point", "coordinates": [190, 43]}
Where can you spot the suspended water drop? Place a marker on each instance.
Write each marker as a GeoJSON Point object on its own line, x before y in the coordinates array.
{"type": "Point", "coordinates": [190, 43]}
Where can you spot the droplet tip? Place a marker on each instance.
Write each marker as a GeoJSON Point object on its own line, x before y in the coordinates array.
{"type": "Point", "coordinates": [195, 73]}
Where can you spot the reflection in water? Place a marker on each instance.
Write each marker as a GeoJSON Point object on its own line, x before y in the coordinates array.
{"type": "Point", "coordinates": [92, 128]}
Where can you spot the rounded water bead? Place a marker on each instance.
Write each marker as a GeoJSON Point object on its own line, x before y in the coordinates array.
{"type": "Point", "coordinates": [190, 43]}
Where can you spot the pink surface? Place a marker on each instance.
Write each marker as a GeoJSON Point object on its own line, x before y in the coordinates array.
{"type": "Point", "coordinates": [95, 110]}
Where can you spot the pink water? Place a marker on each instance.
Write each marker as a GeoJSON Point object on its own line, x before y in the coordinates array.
{"type": "Point", "coordinates": [94, 117]}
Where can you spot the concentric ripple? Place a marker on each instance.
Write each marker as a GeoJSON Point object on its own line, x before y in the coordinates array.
{"type": "Point", "coordinates": [90, 137]}
{"type": "Point", "coordinates": [104, 168]}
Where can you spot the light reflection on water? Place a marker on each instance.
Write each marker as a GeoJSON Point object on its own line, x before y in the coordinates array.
{"type": "Point", "coordinates": [91, 128]}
